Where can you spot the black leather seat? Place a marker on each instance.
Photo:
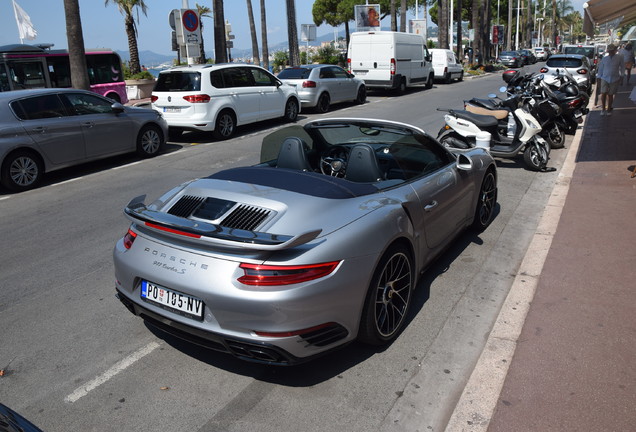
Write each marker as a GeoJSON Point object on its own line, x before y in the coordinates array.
{"type": "Point", "coordinates": [293, 155]}
{"type": "Point", "coordinates": [362, 165]}
{"type": "Point", "coordinates": [481, 121]}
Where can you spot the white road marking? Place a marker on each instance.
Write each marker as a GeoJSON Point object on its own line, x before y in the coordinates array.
{"type": "Point", "coordinates": [110, 373]}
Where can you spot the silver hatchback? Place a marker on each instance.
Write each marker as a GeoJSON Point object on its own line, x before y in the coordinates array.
{"type": "Point", "coordinates": [44, 130]}
{"type": "Point", "coordinates": [321, 85]}
{"type": "Point", "coordinates": [577, 65]}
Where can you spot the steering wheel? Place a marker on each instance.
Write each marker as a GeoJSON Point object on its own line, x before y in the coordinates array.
{"type": "Point", "coordinates": [334, 161]}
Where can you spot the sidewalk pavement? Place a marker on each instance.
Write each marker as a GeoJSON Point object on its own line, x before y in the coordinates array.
{"type": "Point", "coordinates": [574, 362]}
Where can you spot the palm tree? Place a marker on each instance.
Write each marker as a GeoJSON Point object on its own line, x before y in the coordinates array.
{"type": "Point", "coordinates": [393, 16]}
{"type": "Point", "coordinates": [250, 15]}
{"type": "Point", "coordinates": [292, 33]}
{"type": "Point", "coordinates": [442, 23]}
{"type": "Point", "coordinates": [403, 16]}
{"type": "Point", "coordinates": [75, 38]}
{"type": "Point", "coordinates": [220, 47]}
{"type": "Point", "coordinates": [202, 11]}
{"type": "Point", "coordinates": [264, 36]}
{"type": "Point", "coordinates": [477, 29]}
{"type": "Point", "coordinates": [127, 7]}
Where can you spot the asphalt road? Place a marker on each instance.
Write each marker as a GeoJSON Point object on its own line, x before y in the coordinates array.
{"type": "Point", "coordinates": [75, 359]}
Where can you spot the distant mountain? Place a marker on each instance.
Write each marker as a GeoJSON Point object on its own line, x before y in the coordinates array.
{"type": "Point", "coordinates": [148, 58]}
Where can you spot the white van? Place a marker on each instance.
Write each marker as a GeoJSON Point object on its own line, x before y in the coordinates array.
{"type": "Point", "coordinates": [446, 66]}
{"type": "Point", "coordinates": [390, 60]}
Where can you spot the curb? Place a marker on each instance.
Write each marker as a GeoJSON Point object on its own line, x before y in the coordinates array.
{"type": "Point", "coordinates": [478, 401]}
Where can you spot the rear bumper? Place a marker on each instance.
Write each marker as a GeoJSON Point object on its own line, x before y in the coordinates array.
{"type": "Point", "coordinates": [243, 349]}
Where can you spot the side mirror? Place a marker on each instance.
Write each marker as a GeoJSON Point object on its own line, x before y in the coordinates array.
{"type": "Point", "coordinates": [117, 108]}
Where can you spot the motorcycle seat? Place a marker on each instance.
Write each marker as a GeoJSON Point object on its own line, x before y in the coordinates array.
{"type": "Point", "coordinates": [486, 103]}
{"type": "Point", "coordinates": [481, 121]}
{"type": "Point", "coordinates": [499, 114]}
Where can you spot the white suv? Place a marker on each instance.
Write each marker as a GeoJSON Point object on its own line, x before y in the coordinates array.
{"type": "Point", "coordinates": [219, 98]}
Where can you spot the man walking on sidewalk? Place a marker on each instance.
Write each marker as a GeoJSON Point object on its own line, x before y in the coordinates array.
{"type": "Point", "coordinates": [610, 74]}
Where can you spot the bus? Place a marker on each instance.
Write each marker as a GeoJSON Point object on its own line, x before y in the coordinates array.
{"type": "Point", "coordinates": [37, 66]}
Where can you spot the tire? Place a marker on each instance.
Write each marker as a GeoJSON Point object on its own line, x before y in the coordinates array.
{"type": "Point", "coordinates": [115, 97]}
{"type": "Point", "coordinates": [429, 82]}
{"type": "Point", "coordinates": [362, 95]}
{"type": "Point", "coordinates": [535, 157]}
{"type": "Point", "coordinates": [291, 110]}
{"type": "Point", "coordinates": [448, 78]}
{"type": "Point", "coordinates": [323, 103]}
{"type": "Point", "coordinates": [401, 88]}
{"type": "Point", "coordinates": [150, 141]}
{"type": "Point", "coordinates": [21, 171]}
{"type": "Point", "coordinates": [461, 76]}
{"type": "Point", "coordinates": [486, 202]}
{"type": "Point", "coordinates": [225, 125]}
{"type": "Point", "coordinates": [554, 136]}
{"type": "Point", "coordinates": [388, 298]}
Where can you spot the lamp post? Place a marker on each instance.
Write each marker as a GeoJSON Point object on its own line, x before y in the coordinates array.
{"type": "Point", "coordinates": [540, 25]}
{"type": "Point", "coordinates": [517, 32]}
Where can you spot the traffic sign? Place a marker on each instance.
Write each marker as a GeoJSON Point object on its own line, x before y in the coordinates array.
{"type": "Point", "coordinates": [190, 20]}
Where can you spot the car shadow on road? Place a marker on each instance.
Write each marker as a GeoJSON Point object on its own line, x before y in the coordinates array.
{"type": "Point", "coordinates": [89, 168]}
{"type": "Point", "coordinates": [333, 363]}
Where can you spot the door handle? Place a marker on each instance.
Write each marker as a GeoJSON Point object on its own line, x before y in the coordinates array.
{"type": "Point", "coordinates": [39, 129]}
{"type": "Point", "coordinates": [430, 207]}
{"type": "Point", "coordinates": [88, 124]}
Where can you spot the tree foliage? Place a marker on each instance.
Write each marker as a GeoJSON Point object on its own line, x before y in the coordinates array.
{"type": "Point", "coordinates": [128, 9]}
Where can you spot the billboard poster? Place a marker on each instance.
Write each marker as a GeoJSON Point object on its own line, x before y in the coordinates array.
{"type": "Point", "coordinates": [418, 27]}
{"type": "Point", "coordinates": [367, 17]}
{"type": "Point", "coordinates": [498, 34]}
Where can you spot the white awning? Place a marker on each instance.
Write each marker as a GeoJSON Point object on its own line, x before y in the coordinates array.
{"type": "Point", "coordinates": [602, 11]}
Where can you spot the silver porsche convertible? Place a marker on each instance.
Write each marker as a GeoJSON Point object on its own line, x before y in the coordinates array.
{"type": "Point", "coordinates": [318, 245]}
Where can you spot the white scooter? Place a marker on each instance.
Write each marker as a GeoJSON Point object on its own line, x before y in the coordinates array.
{"type": "Point", "coordinates": [464, 129]}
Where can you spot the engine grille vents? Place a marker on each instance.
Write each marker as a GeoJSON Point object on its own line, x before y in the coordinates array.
{"type": "Point", "coordinates": [186, 205]}
{"type": "Point", "coordinates": [243, 216]}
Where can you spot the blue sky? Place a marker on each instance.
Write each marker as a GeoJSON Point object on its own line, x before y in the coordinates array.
{"type": "Point", "coordinates": [103, 26]}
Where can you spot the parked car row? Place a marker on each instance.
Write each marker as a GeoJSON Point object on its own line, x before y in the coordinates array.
{"type": "Point", "coordinates": [215, 98]}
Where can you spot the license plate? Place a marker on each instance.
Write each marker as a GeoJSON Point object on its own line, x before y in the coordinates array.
{"type": "Point", "coordinates": [174, 301]}
{"type": "Point", "coordinates": [171, 110]}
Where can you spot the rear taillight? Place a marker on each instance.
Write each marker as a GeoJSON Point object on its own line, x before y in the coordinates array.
{"type": "Point", "coordinates": [445, 70]}
{"type": "Point", "coordinates": [129, 239]}
{"type": "Point", "coordinates": [154, 98]}
{"type": "Point", "coordinates": [309, 84]}
{"type": "Point", "coordinates": [349, 64]}
{"type": "Point", "coordinates": [543, 70]}
{"type": "Point", "coordinates": [172, 230]}
{"type": "Point", "coordinates": [270, 275]}
{"type": "Point", "coordinates": [581, 71]}
{"type": "Point", "coordinates": [574, 103]}
{"type": "Point", "coordinates": [393, 66]}
{"type": "Point", "coordinates": [200, 98]}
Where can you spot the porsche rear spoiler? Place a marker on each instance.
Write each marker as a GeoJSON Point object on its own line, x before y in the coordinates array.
{"type": "Point", "coordinates": [137, 212]}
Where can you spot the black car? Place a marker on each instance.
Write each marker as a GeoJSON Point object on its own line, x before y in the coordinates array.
{"type": "Point", "coordinates": [528, 56]}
